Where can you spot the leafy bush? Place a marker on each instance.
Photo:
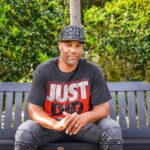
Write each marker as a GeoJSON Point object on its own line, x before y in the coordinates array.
{"type": "Point", "coordinates": [29, 31]}
{"type": "Point", "coordinates": [118, 37]}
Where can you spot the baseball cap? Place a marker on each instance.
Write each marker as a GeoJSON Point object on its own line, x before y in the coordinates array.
{"type": "Point", "coordinates": [72, 32]}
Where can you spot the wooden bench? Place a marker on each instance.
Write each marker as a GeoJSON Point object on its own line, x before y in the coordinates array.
{"type": "Point", "coordinates": [130, 106]}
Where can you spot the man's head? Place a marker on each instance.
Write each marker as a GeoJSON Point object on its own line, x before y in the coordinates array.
{"type": "Point", "coordinates": [71, 44]}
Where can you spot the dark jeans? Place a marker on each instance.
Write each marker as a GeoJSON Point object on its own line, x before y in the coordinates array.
{"type": "Point", "coordinates": [106, 132]}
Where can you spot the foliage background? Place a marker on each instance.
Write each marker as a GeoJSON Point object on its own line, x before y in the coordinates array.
{"type": "Point", "coordinates": [117, 34]}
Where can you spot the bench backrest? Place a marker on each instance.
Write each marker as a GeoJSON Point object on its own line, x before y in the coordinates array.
{"type": "Point", "coordinates": [130, 106]}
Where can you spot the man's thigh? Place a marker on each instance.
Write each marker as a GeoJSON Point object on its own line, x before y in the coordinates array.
{"type": "Point", "coordinates": [31, 132]}
{"type": "Point", "coordinates": [96, 132]}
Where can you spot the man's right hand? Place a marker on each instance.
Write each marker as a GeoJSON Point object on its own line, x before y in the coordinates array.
{"type": "Point", "coordinates": [64, 123]}
{"type": "Point", "coordinates": [60, 125]}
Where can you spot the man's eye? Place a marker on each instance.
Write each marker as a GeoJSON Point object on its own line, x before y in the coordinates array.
{"type": "Point", "coordinates": [78, 45]}
{"type": "Point", "coordinates": [68, 45]}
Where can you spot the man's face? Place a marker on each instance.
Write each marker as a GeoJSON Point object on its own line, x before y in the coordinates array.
{"type": "Point", "coordinates": [70, 51]}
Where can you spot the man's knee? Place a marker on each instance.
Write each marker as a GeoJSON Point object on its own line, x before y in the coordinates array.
{"type": "Point", "coordinates": [25, 132]}
{"type": "Point", "coordinates": [110, 128]}
{"type": "Point", "coordinates": [108, 123]}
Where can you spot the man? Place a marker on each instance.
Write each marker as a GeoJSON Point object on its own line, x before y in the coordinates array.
{"type": "Point", "coordinates": [69, 101]}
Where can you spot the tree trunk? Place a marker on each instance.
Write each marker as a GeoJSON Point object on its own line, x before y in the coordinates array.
{"type": "Point", "coordinates": [75, 12]}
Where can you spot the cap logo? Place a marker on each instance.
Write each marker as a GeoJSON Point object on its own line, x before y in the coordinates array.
{"type": "Point", "coordinates": [72, 33]}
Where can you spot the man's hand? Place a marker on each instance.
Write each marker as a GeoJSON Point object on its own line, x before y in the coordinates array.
{"type": "Point", "coordinates": [74, 122]}
{"type": "Point", "coordinates": [60, 125]}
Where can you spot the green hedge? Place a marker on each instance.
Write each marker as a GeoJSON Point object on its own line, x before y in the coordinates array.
{"type": "Point", "coordinates": [29, 31]}
{"type": "Point", "coordinates": [117, 34]}
{"type": "Point", "coordinates": [118, 37]}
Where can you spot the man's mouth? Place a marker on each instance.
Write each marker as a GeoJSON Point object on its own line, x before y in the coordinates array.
{"type": "Point", "coordinates": [73, 57]}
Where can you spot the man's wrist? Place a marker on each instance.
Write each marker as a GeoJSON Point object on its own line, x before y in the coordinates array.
{"type": "Point", "coordinates": [87, 117]}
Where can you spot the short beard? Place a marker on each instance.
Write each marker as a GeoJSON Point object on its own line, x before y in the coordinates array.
{"type": "Point", "coordinates": [72, 62]}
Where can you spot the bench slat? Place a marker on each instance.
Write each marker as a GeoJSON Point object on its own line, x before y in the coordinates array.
{"type": "Point", "coordinates": [131, 109]}
{"type": "Point", "coordinates": [141, 109]}
{"type": "Point", "coordinates": [136, 133]}
{"type": "Point", "coordinates": [70, 146]}
{"type": "Point", "coordinates": [148, 106]}
{"type": "Point", "coordinates": [18, 109]}
{"type": "Point", "coordinates": [113, 106]}
{"type": "Point", "coordinates": [122, 109]}
{"type": "Point", "coordinates": [128, 86]}
{"type": "Point", "coordinates": [1, 108]}
{"type": "Point", "coordinates": [15, 86]}
{"type": "Point", "coordinates": [8, 110]}
{"type": "Point", "coordinates": [7, 134]}
{"type": "Point", "coordinates": [26, 106]}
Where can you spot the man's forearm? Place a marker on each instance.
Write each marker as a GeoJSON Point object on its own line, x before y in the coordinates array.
{"type": "Point", "coordinates": [42, 118]}
{"type": "Point", "coordinates": [98, 113]}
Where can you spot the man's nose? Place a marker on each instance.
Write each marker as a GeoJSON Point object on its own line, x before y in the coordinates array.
{"type": "Point", "coordinates": [73, 50]}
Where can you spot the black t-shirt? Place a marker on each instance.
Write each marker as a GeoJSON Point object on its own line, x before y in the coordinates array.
{"type": "Point", "coordinates": [77, 91]}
